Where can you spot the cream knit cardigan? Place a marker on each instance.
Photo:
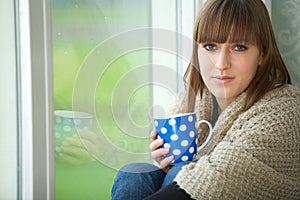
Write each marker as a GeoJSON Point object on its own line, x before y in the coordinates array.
{"type": "Point", "coordinates": [259, 158]}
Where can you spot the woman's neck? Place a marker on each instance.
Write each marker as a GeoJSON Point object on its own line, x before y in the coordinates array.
{"type": "Point", "coordinates": [223, 103]}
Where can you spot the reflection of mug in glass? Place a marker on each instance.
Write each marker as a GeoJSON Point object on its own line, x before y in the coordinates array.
{"type": "Point", "coordinates": [67, 123]}
{"type": "Point", "coordinates": [180, 134]}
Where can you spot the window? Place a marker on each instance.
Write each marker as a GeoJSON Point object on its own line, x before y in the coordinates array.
{"type": "Point", "coordinates": [110, 60]}
{"type": "Point", "coordinates": [101, 62]}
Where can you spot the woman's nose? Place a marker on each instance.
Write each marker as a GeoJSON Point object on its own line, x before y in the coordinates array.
{"type": "Point", "coordinates": [223, 59]}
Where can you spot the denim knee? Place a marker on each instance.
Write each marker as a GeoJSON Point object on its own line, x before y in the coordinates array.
{"type": "Point", "coordinates": [136, 181]}
{"type": "Point", "coordinates": [139, 167]}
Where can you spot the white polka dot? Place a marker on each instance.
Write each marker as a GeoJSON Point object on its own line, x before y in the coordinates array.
{"type": "Point", "coordinates": [192, 150]}
{"type": "Point", "coordinates": [77, 121]}
{"type": "Point", "coordinates": [176, 152]}
{"type": "Point", "coordinates": [158, 137]}
{"type": "Point", "coordinates": [190, 118]}
{"type": "Point", "coordinates": [167, 145]}
{"type": "Point", "coordinates": [172, 122]}
{"type": "Point", "coordinates": [182, 127]}
{"type": "Point", "coordinates": [196, 141]}
{"type": "Point", "coordinates": [67, 128]}
{"type": "Point", "coordinates": [192, 134]}
{"type": "Point", "coordinates": [163, 130]}
{"type": "Point", "coordinates": [174, 137]}
{"type": "Point", "coordinates": [184, 158]}
{"type": "Point", "coordinates": [155, 123]}
{"type": "Point", "coordinates": [184, 143]}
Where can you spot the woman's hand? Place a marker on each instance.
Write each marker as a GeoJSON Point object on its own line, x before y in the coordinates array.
{"type": "Point", "coordinates": [77, 149]}
{"type": "Point", "coordinates": [158, 154]}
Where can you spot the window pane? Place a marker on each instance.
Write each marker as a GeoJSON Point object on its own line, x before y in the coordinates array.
{"type": "Point", "coordinates": [101, 68]}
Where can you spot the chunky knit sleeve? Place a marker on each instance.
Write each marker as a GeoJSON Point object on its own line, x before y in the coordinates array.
{"type": "Point", "coordinates": [231, 172]}
{"type": "Point", "coordinates": [259, 158]}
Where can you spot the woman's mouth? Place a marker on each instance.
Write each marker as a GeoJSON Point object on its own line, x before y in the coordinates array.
{"type": "Point", "coordinates": [223, 79]}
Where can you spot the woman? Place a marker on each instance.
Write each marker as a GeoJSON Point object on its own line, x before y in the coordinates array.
{"type": "Point", "coordinates": [236, 80]}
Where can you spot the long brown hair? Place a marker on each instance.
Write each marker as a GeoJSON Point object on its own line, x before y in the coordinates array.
{"type": "Point", "coordinates": [243, 20]}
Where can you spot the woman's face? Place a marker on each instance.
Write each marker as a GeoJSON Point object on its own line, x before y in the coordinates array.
{"type": "Point", "coordinates": [228, 68]}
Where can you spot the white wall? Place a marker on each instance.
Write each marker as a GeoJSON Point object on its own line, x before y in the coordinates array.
{"type": "Point", "coordinates": [8, 103]}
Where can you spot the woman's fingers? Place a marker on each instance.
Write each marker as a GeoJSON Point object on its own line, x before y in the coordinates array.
{"type": "Point", "coordinates": [72, 141]}
{"type": "Point", "coordinates": [166, 161]}
{"type": "Point", "coordinates": [75, 151]}
{"type": "Point", "coordinates": [159, 154]}
{"type": "Point", "coordinates": [159, 157]}
{"type": "Point", "coordinates": [153, 135]}
{"type": "Point", "coordinates": [88, 136]}
{"type": "Point", "coordinates": [155, 144]}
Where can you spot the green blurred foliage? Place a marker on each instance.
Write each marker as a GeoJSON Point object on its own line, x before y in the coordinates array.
{"type": "Point", "coordinates": [78, 27]}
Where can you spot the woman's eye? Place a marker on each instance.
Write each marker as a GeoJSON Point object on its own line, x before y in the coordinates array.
{"type": "Point", "coordinates": [240, 47]}
{"type": "Point", "coordinates": [209, 47]}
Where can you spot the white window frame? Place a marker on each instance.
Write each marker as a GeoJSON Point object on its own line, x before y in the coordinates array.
{"type": "Point", "coordinates": [35, 99]}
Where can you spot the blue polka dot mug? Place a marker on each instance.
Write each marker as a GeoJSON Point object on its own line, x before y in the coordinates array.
{"type": "Point", "coordinates": [180, 134]}
{"type": "Point", "coordinates": [67, 123]}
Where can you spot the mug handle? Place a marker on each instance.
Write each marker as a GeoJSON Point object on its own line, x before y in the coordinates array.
{"type": "Point", "coordinates": [209, 135]}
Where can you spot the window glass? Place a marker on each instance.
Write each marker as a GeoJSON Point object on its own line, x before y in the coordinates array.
{"type": "Point", "coordinates": [102, 93]}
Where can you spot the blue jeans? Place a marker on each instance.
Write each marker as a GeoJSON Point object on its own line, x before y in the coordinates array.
{"type": "Point", "coordinates": [136, 181]}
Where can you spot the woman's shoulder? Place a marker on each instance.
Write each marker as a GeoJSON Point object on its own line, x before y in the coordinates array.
{"type": "Point", "coordinates": [274, 117]}
{"type": "Point", "coordinates": [284, 94]}
{"type": "Point", "coordinates": [279, 106]}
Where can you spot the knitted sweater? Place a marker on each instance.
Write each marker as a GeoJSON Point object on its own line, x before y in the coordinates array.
{"type": "Point", "coordinates": [253, 154]}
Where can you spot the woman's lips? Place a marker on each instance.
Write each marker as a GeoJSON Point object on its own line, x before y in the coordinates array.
{"type": "Point", "coordinates": [223, 79]}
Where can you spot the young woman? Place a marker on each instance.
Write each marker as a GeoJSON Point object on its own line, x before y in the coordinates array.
{"type": "Point", "coordinates": [238, 81]}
